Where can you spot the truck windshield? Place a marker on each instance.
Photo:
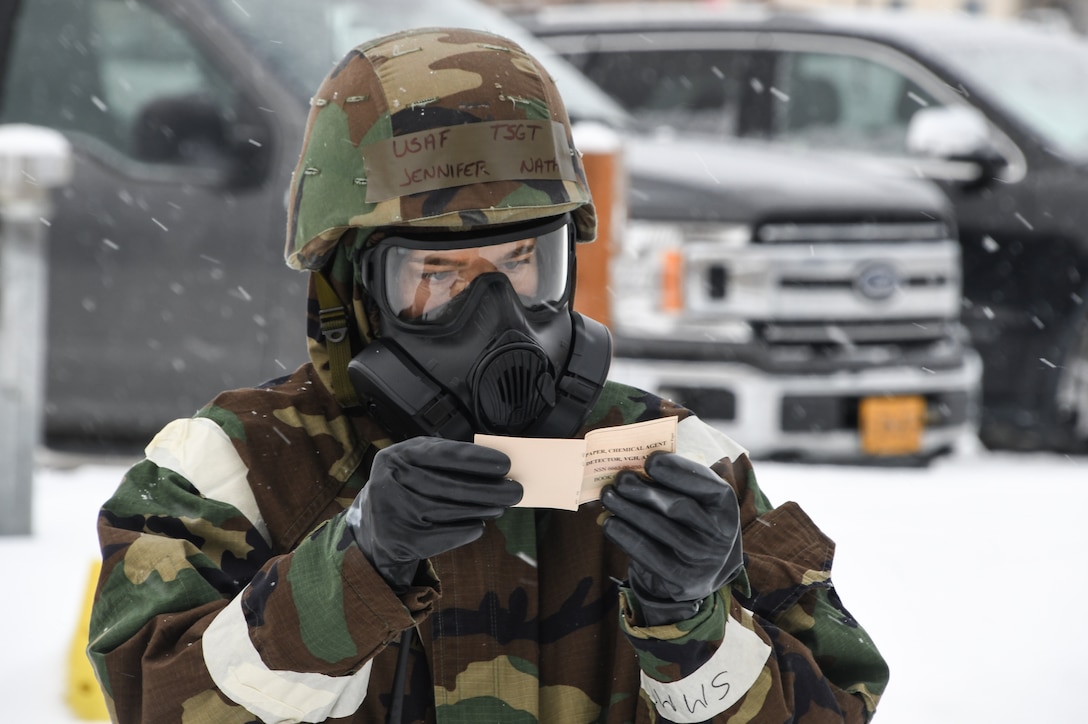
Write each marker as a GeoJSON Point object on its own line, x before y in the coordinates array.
{"type": "Point", "coordinates": [1040, 79]}
{"type": "Point", "coordinates": [301, 41]}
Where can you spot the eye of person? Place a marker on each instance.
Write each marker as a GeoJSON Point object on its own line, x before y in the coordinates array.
{"type": "Point", "coordinates": [437, 275]}
{"type": "Point", "coordinates": [513, 264]}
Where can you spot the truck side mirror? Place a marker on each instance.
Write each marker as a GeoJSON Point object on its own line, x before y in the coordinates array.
{"type": "Point", "coordinates": [955, 133]}
{"type": "Point", "coordinates": [192, 131]}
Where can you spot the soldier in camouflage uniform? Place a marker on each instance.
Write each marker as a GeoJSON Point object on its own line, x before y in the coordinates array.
{"type": "Point", "coordinates": [311, 550]}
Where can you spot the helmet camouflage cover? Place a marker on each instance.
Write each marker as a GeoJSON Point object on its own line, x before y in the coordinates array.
{"type": "Point", "coordinates": [444, 128]}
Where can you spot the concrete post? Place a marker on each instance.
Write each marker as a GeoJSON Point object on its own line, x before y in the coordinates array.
{"type": "Point", "coordinates": [33, 160]}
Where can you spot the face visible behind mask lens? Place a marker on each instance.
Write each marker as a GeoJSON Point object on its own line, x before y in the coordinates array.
{"type": "Point", "coordinates": [413, 279]}
{"type": "Point", "coordinates": [425, 281]}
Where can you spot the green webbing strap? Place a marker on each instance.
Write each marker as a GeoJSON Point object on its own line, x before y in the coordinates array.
{"type": "Point", "coordinates": [334, 328]}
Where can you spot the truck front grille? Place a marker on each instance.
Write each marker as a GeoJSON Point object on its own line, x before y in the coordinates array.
{"type": "Point", "coordinates": [853, 333]}
{"type": "Point", "coordinates": [847, 232]}
{"type": "Point", "coordinates": [842, 290]}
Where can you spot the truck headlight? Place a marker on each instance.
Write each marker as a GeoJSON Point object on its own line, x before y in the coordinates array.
{"type": "Point", "coordinates": [664, 270]}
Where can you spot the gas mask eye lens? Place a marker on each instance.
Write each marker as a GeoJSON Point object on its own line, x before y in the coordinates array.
{"type": "Point", "coordinates": [421, 277]}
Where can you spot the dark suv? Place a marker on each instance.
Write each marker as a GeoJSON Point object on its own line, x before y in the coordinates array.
{"type": "Point", "coordinates": [995, 112]}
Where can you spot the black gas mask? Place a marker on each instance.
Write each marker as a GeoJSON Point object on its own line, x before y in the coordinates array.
{"type": "Point", "coordinates": [477, 334]}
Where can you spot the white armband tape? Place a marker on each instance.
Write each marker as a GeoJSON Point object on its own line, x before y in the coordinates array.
{"type": "Point", "coordinates": [276, 696]}
{"type": "Point", "coordinates": [200, 451]}
{"type": "Point", "coordinates": [716, 685]}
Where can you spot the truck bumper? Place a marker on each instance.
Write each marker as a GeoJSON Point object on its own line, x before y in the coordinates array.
{"type": "Point", "coordinates": [813, 417]}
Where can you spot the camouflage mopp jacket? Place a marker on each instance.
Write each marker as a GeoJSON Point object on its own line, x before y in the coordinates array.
{"type": "Point", "coordinates": [232, 592]}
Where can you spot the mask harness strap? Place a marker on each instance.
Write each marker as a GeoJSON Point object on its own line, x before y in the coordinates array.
{"type": "Point", "coordinates": [334, 329]}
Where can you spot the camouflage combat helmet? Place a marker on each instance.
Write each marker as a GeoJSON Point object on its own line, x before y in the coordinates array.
{"type": "Point", "coordinates": [443, 128]}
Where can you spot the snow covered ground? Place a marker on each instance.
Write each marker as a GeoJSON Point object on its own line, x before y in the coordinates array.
{"type": "Point", "coordinates": [969, 575]}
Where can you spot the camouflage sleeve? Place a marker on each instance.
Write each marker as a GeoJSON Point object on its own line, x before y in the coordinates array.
{"type": "Point", "coordinates": [196, 619]}
{"type": "Point", "coordinates": [788, 562]}
{"type": "Point", "coordinates": [776, 645]}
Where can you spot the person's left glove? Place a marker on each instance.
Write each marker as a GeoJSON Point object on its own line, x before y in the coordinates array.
{"type": "Point", "coordinates": [680, 525]}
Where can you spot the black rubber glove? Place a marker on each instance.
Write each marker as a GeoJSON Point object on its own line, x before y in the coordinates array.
{"type": "Point", "coordinates": [426, 496]}
{"type": "Point", "coordinates": [681, 528]}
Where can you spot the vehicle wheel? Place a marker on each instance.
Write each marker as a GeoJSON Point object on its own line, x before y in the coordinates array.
{"type": "Point", "coordinates": [1071, 392]}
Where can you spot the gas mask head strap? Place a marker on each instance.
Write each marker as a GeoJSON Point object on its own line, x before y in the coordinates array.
{"type": "Point", "coordinates": [334, 329]}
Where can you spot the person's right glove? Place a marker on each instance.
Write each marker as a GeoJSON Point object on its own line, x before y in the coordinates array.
{"type": "Point", "coordinates": [681, 529]}
{"type": "Point", "coordinates": [425, 496]}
